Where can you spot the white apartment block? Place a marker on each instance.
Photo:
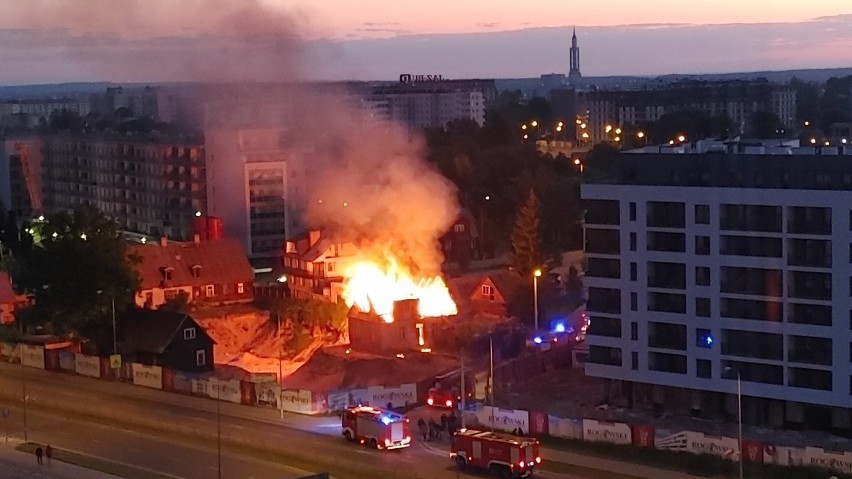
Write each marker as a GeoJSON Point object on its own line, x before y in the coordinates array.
{"type": "Point", "coordinates": [703, 266]}
{"type": "Point", "coordinates": [433, 109]}
{"type": "Point", "coordinates": [248, 173]}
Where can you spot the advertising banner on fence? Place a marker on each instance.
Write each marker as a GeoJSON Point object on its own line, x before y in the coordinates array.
{"type": "Point", "coordinates": [698, 443]}
{"type": "Point", "coordinates": [504, 419]}
{"type": "Point", "coordinates": [835, 460]}
{"type": "Point", "coordinates": [148, 376]}
{"type": "Point", "coordinates": [783, 456]}
{"type": "Point", "coordinates": [296, 400]}
{"type": "Point", "coordinates": [10, 351]}
{"type": "Point", "coordinates": [33, 356]}
{"type": "Point", "coordinates": [539, 424]}
{"type": "Point", "coordinates": [66, 361]}
{"type": "Point", "coordinates": [753, 451]}
{"type": "Point", "coordinates": [266, 394]}
{"type": "Point", "coordinates": [601, 431]}
{"type": "Point", "coordinates": [210, 387]}
{"type": "Point", "coordinates": [643, 435]}
{"type": "Point", "coordinates": [87, 365]}
{"type": "Point", "coordinates": [397, 396]}
{"type": "Point", "coordinates": [567, 428]}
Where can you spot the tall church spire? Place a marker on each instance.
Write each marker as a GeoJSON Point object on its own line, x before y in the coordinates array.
{"type": "Point", "coordinates": [574, 71]}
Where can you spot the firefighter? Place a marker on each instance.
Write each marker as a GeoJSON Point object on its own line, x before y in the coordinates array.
{"type": "Point", "coordinates": [421, 426]}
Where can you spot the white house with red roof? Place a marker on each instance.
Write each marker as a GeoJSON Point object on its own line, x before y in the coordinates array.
{"type": "Point", "coordinates": [314, 264]}
{"type": "Point", "coordinates": [207, 271]}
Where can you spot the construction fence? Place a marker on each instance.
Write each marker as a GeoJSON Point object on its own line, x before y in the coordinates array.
{"type": "Point", "coordinates": [263, 391]}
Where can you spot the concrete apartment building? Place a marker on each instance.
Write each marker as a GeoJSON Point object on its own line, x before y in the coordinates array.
{"type": "Point", "coordinates": [738, 99]}
{"type": "Point", "coordinates": [20, 174]}
{"type": "Point", "coordinates": [433, 103]}
{"type": "Point", "coordinates": [703, 261]}
{"type": "Point", "coordinates": [151, 185]}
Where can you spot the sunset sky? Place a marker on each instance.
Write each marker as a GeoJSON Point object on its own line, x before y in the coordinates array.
{"type": "Point", "coordinates": [162, 40]}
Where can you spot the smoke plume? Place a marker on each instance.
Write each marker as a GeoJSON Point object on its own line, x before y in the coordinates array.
{"type": "Point", "coordinates": [365, 181]}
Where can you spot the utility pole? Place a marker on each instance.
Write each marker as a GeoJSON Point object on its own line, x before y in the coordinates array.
{"type": "Point", "coordinates": [280, 352]}
{"type": "Point", "coordinates": [24, 389]}
{"type": "Point", "coordinates": [219, 427]}
{"type": "Point", "coordinates": [491, 379]}
{"type": "Point", "coordinates": [461, 357]}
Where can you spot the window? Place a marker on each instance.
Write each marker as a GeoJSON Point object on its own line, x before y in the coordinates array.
{"type": "Point", "coordinates": [632, 211]}
{"type": "Point", "coordinates": [189, 333]}
{"type": "Point", "coordinates": [634, 302]}
{"type": "Point", "coordinates": [632, 241]}
{"type": "Point", "coordinates": [702, 214]}
{"type": "Point", "coordinates": [702, 245]}
{"type": "Point", "coordinates": [703, 368]}
{"type": "Point", "coordinates": [171, 294]}
{"type": "Point", "coordinates": [702, 307]}
{"type": "Point", "coordinates": [702, 276]}
{"type": "Point", "coordinates": [458, 228]}
{"type": "Point", "coordinates": [167, 274]}
{"type": "Point", "coordinates": [634, 360]}
{"type": "Point", "coordinates": [329, 266]}
{"type": "Point", "coordinates": [634, 331]}
{"type": "Point", "coordinates": [200, 357]}
{"type": "Point", "coordinates": [209, 290]}
{"type": "Point", "coordinates": [633, 272]}
{"type": "Point", "coordinates": [241, 288]}
{"type": "Point", "coordinates": [487, 290]}
{"type": "Point", "coordinates": [196, 271]}
{"type": "Point", "coordinates": [703, 338]}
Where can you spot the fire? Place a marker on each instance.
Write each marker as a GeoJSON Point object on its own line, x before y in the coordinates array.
{"type": "Point", "coordinates": [371, 287]}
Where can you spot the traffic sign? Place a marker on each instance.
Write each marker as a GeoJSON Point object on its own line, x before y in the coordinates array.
{"type": "Point", "coordinates": [115, 361]}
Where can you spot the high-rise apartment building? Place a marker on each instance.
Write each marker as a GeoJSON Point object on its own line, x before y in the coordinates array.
{"type": "Point", "coordinates": [151, 185]}
{"type": "Point", "coordinates": [433, 103]}
{"type": "Point", "coordinates": [739, 100]}
{"type": "Point", "coordinates": [703, 267]}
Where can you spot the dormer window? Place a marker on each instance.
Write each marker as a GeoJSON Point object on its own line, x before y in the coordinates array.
{"type": "Point", "coordinates": [168, 273]}
{"type": "Point", "coordinates": [196, 271]}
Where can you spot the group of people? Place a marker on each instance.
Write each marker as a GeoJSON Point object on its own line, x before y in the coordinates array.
{"type": "Point", "coordinates": [434, 431]}
{"type": "Point", "coordinates": [40, 453]}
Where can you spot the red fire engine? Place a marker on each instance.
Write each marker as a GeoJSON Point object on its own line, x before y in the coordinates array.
{"type": "Point", "coordinates": [440, 397]}
{"type": "Point", "coordinates": [502, 454]}
{"type": "Point", "coordinates": [378, 428]}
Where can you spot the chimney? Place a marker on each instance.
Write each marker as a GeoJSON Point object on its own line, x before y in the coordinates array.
{"type": "Point", "coordinates": [406, 310]}
{"type": "Point", "coordinates": [164, 241]}
{"type": "Point", "coordinates": [196, 238]}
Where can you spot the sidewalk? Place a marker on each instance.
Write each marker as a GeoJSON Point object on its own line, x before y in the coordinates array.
{"type": "Point", "coordinates": [620, 467]}
{"type": "Point", "coordinates": [22, 465]}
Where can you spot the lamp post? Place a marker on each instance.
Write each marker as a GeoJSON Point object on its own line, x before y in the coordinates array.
{"type": "Point", "coordinates": [280, 347]}
{"type": "Point", "coordinates": [536, 275]}
{"type": "Point", "coordinates": [728, 369]}
{"type": "Point", "coordinates": [112, 301]}
{"type": "Point", "coordinates": [219, 428]}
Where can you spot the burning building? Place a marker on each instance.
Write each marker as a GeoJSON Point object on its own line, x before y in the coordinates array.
{"type": "Point", "coordinates": [409, 330]}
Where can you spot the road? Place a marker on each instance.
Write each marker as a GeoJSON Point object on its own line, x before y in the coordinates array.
{"type": "Point", "coordinates": [316, 439]}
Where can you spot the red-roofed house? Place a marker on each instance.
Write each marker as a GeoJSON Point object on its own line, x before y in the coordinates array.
{"type": "Point", "coordinates": [8, 299]}
{"type": "Point", "coordinates": [314, 264]}
{"type": "Point", "coordinates": [489, 293]}
{"type": "Point", "coordinates": [215, 271]}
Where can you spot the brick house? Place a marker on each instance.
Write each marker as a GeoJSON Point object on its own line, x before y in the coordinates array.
{"type": "Point", "coordinates": [212, 272]}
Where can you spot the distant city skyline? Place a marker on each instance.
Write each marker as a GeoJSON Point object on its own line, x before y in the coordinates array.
{"type": "Point", "coordinates": [136, 41]}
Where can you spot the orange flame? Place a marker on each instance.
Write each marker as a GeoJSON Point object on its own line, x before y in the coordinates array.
{"type": "Point", "coordinates": [372, 288]}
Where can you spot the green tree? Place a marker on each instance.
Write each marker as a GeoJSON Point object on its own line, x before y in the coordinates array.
{"type": "Point", "coordinates": [526, 243]}
{"type": "Point", "coordinates": [177, 304]}
{"type": "Point", "coordinates": [74, 273]}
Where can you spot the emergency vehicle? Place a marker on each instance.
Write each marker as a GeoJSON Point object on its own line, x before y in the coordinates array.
{"type": "Point", "coordinates": [502, 454]}
{"type": "Point", "coordinates": [377, 428]}
{"type": "Point", "coordinates": [440, 397]}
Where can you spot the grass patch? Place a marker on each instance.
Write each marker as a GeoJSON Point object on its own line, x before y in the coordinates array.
{"type": "Point", "coordinates": [94, 463]}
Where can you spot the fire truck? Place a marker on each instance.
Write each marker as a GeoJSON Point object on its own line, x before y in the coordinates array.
{"type": "Point", "coordinates": [440, 397]}
{"type": "Point", "coordinates": [377, 428]}
{"type": "Point", "coordinates": [501, 454]}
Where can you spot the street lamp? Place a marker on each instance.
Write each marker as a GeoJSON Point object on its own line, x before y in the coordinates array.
{"type": "Point", "coordinates": [728, 369]}
{"type": "Point", "coordinates": [536, 275]}
{"type": "Point", "coordinates": [280, 352]}
{"type": "Point", "coordinates": [579, 163]}
{"type": "Point", "coordinates": [112, 300]}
